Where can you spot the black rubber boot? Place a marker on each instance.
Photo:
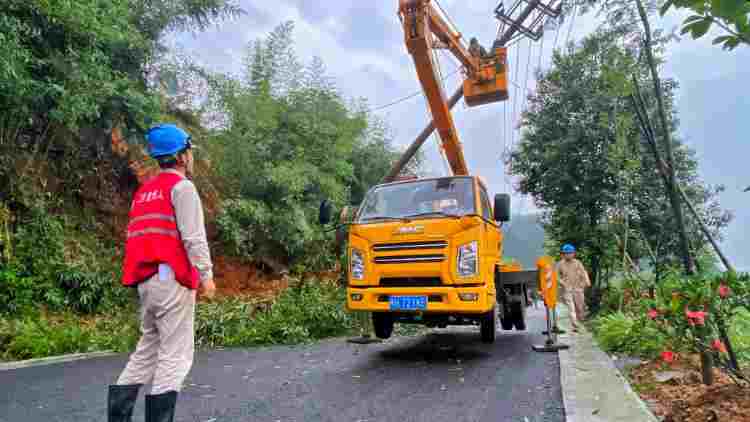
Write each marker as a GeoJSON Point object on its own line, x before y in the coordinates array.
{"type": "Point", "coordinates": [160, 407]}
{"type": "Point", "coordinates": [120, 402]}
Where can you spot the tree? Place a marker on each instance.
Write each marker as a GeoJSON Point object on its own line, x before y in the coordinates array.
{"type": "Point", "coordinates": [290, 141]}
{"type": "Point", "coordinates": [582, 157]}
{"type": "Point", "coordinates": [732, 16]}
{"type": "Point", "coordinates": [71, 71]}
{"type": "Point", "coordinates": [571, 126]}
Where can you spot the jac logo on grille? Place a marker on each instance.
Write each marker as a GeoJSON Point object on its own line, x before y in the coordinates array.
{"type": "Point", "coordinates": [409, 230]}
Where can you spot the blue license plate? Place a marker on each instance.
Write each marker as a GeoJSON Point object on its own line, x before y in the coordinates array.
{"type": "Point", "coordinates": [408, 303]}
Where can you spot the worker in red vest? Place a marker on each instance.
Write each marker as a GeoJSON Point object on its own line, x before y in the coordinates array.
{"type": "Point", "coordinates": [167, 259]}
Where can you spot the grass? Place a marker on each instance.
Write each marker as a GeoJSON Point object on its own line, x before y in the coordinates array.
{"type": "Point", "coordinates": [299, 315]}
{"type": "Point", "coordinates": [740, 335]}
{"type": "Point", "coordinates": [43, 334]}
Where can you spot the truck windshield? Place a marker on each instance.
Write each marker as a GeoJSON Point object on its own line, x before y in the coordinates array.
{"type": "Point", "coordinates": [449, 196]}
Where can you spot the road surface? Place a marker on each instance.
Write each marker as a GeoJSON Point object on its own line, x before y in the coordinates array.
{"type": "Point", "coordinates": [445, 375]}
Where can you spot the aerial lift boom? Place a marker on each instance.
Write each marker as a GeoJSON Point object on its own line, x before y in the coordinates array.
{"type": "Point", "coordinates": [485, 76]}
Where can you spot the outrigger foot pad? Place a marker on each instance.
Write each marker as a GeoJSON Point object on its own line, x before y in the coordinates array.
{"type": "Point", "coordinates": [363, 340]}
{"type": "Point", "coordinates": [549, 347]}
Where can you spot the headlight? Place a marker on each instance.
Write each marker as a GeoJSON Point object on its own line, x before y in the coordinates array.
{"type": "Point", "coordinates": [357, 265]}
{"type": "Point", "coordinates": [467, 259]}
{"type": "Point", "coordinates": [469, 297]}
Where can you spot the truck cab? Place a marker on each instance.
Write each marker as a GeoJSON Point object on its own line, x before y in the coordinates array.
{"type": "Point", "coordinates": [428, 251]}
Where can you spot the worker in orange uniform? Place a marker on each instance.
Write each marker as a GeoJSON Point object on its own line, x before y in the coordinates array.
{"type": "Point", "coordinates": [573, 279]}
{"type": "Point", "coordinates": [167, 259]}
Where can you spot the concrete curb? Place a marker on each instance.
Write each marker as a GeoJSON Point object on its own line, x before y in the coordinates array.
{"type": "Point", "coordinates": [53, 359]}
{"type": "Point", "coordinates": [594, 390]}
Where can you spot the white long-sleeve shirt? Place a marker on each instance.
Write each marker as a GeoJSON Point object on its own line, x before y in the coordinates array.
{"type": "Point", "coordinates": [191, 224]}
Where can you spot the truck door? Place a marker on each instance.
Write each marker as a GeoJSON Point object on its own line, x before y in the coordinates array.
{"type": "Point", "coordinates": [491, 233]}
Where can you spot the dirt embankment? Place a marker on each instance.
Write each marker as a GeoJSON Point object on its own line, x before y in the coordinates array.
{"type": "Point", "coordinates": [684, 398]}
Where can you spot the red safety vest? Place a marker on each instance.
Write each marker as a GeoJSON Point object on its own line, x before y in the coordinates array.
{"type": "Point", "coordinates": [153, 237]}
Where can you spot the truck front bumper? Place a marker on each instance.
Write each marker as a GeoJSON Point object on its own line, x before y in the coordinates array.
{"type": "Point", "coordinates": [439, 299]}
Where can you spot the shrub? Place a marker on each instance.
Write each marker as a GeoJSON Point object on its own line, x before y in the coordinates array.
{"type": "Point", "coordinates": [41, 335]}
{"type": "Point", "coordinates": [255, 229]}
{"type": "Point", "coordinates": [698, 314]}
{"type": "Point", "coordinates": [740, 334]}
{"type": "Point", "coordinates": [59, 264]}
{"type": "Point", "coordinates": [17, 292]}
{"type": "Point", "coordinates": [308, 312]}
{"type": "Point", "coordinates": [625, 334]}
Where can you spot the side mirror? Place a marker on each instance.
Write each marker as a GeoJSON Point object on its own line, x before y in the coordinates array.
{"type": "Point", "coordinates": [325, 212]}
{"type": "Point", "coordinates": [502, 207]}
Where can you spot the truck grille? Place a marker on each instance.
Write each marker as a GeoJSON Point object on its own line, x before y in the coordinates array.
{"type": "Point", "coordinates": [409, 246]}
{"type": "Point", "coordinates": [408, 259]}
{"type": "Point", "coordinates": [410, 282]}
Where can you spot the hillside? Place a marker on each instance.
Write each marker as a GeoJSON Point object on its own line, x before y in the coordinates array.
{"type": "Point", "coordinates": [524, 239]}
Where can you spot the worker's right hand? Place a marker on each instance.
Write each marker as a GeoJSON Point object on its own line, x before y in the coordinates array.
{"type": "Point", "coordinates": [208, 288]}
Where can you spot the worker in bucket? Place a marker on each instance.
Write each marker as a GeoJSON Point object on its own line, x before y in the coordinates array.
{"type": "Point", "coordinates": [167, 259]}
{"type": "Point", "coordinates": [573, 279]}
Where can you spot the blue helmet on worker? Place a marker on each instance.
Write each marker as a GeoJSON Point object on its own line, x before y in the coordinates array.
{"type": "Point", "coordinates": [567, 248]}
{"type": "Point", "coordinates": [166, 140]}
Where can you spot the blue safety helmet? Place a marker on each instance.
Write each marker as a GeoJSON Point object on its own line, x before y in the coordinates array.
{"type": "Point", "coordinates": [567, 248]}
{"type": "Point", "coordinates": [166, 139]}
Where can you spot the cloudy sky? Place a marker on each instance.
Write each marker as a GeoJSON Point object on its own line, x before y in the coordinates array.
{"type": "Point", "coordinates": [361, 43]}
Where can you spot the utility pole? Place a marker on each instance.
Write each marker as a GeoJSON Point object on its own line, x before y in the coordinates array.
{"type": "Point", "coordinates": [674, 198]}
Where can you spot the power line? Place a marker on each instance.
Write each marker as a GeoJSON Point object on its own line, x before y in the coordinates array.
{"type": "Point", "coordinates": [572, 22]}
{"type": "Point", "coordinates": [412, 95]}
{"type": "Point", "coordinates": [541, 52]}
{"type": "Point", "coordinates": [525, 94]}
{"type": "Point", "coordinates": [515, 92]}
{"type": "Point", "coordinates": [557, 34]}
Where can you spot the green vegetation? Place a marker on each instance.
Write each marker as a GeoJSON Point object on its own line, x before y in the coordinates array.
{"type": "Point", "coordinates": [275, 140]}
{"type": "Point", "coordinates": [731, 16]}
{"type": "Point", "coordinates": [309, 312]}
{"type": "Point", "coordinates": [626, 334]}
{"type": "Point", "coordinates": [57, 263]}
{"type": "Point", "coordinates": [301, 314]}
{"type": "Point", "coordinates": [607, 198]}
{"type": "Point", "coordinates": [685, 315]}
{"type": "Point", "coordinates": [290, 140]}
{"type": "Point", "coordinates": [279, 138]}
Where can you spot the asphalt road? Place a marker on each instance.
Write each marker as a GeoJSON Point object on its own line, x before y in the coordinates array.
{"type": "Point", "coordinates": [446, 375]}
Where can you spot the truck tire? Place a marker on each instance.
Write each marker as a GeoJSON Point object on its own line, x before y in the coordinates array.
{"type": "Point", "coordinates": [383, 324]}
{"type": "Point", "coordinates": [519, 316]}
{"type": "Point", "coordinates": [487, 326]}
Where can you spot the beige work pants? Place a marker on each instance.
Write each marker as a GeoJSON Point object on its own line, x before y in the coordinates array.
{"type": "Point", "coordinates": [164, 354]}
{"type": "Point", "coordinates": [574, 300]}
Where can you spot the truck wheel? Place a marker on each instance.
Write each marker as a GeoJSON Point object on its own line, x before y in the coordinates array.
{"type": "Point", "coordinates": [383, 324]}
{"type": "Point", "coordinates": [487, 326]}
{"type": "Point", "coordinates": [507, 322]}
{"type": "Point", "coordinates": [519, 316]}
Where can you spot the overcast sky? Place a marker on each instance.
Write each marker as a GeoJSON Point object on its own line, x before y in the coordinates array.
{"type": "Point", "coordinates": [361, 43]}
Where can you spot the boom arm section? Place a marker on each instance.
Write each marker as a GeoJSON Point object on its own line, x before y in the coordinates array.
{"type": "Point", "coordinates": [424, 30]}
{"type": "Point", "coordinates": [420, 20]}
